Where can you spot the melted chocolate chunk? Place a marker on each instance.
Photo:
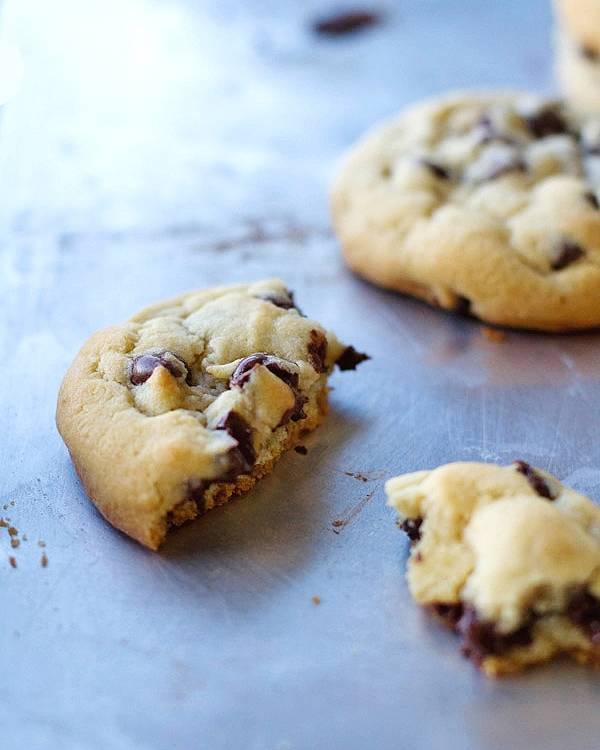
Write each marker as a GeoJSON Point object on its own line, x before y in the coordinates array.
{"type": "Point", "coordinates": [589, 53]}
{"type": "Point", "coordinates": [412, 528]}
{"type": "Point", "coordinates": [437, 169]}
{"type": "Point", "coordinates": [284, 299]}
{"type": "Point", "coordinates": [449, 614]}
{"type": "Point", "coordinates": [584, 611]}
{"type": "Point", "coordinates": [481, 639]}
{"type": "Point", "coordinates": [275, 365]}
{"type": "Point", "coordinates": [317, 350]}
{"type": "Point", "coordinates": [350, 358]}
{"type": "Point", "coordinates": [143, 366]}
{"type": "Point", "coordinates": [241, 431]}
{"type": "Point", "coordinates": [536, 480]}
{"type": "Point", "coordinates": [547, 121]}
{"type": "Point", "coordinates": [462, 306]}
{"type": "Point", "coordinates": [591, 199]}
{"type": "Point", "coordinates": [566, 253]}
{"type": "Point", "coordinates": [345, 23]}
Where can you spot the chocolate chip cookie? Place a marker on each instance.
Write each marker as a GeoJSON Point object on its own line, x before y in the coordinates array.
{"type": "Point", "coordinates": [507, 557]}
{"type": "Point", "coordinates": [580, 20]}
{"type": "Point", "coordinates": [480, 203]}
{"type": "Point", "coordinates": [192, 400]}
{"type": "Point", "coordinates": [578, 71]}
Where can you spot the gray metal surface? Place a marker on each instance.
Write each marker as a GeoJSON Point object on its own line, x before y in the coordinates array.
{"type": "Point", "coordinates": [158, 146]}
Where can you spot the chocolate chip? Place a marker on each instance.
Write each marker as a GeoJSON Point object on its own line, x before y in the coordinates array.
{"type": "Point", "coordinates": [274, 364]}
{"type": "Point", "coordinates": [345, 23]}
{"type": "Point", "coordinates": [350, 358]}
{"type": "Point", "coordinates": [584, 611]}
{"type": "Point", "coordinates": [437, 169]}
{"type": "Point", "coordinates": [450, 614]}
{"type": "Point", "coordinates": [481, 638]}
{"type": "Point", "coordinates": [412, 528]}
{"type": "Point", "coordinates": [565, 253]}
{"type": "Point", "coordinates": [546, 121]}
{"type": "Point", "coordinates": [240, 430]}
{"type": "Point", "coordinates": [589, 53]}
{"type": "Point", "coordinates": [296, 412]}
{"type": "Point", "coordinates": [301, 449]}
{"type": "Point", "coordinates": [283, 299]}
{"type": "Point", "coordinates": [591, 199]}
{"type": "Point", "coordinates": [535, 479]}
{"type": "Point", "coordinates": [317, 350]}
{"type": "Point", "coordinates": [462, 306]}
{"type": "Point", "coordinates": [143, 366]}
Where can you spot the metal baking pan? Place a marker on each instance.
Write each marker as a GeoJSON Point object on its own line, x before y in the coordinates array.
{"type": "Point", "coordinates": [198, 151]}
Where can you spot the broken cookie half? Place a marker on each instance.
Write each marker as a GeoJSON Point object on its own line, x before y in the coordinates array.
{"type": "Point", "coordinates": [507, 557]}
{"type": "Point", "coordinates": [192, 400]}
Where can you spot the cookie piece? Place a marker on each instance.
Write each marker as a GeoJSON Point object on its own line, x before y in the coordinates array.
{"type": "Point", "coordinates": [480, 203]}
{"type": "Point", "coordinates": [508, 557]}
{"type": "Point", "coordinates": [578, 72]}
{"type": "Point", "coordinates": [580, 19]}
{"type": "Point", "coordinates": [192, 400]}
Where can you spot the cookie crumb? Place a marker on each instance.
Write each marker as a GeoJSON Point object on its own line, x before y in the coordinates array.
{"type": "Point", "coordinates": [44, 560]}
{"type": "Point", "coordinates": [315, 599]}
{"type": "Point", "coordinates": [493, 334]}
{"type": "Point", "coordinates": [345, 22]}
{"type": "Point", "coordinates": [3, 524]}
{"type": "Point", "coordinates": [13, 561]}
{"type": "Point", "coordinates": [301, 449]}
{"type": "Point", "coordinates": [14, 543]}
{"type": "Point", "coordinates": [12, 531]}
{"type": "Point", "coordinates": [357, 475]}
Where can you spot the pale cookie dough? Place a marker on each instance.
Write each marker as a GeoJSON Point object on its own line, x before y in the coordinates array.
{"type": "Point", "coordinates": [578, 72]}
{"type": "Point", "coordinates": [506, 556]}
{"type": "Point", "coordinates": [483, 203]}
{"type": "Point", "coordinates": [192, 400]}
{"type": "Point", "coordinates": [580, 19]}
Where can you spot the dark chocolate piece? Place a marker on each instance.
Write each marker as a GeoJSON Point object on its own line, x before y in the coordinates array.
{"type": "Point", "coordinates": [584, 611]}
{"type": "Point", "coordinates": [462, 305]}
{"type": "Point", "coordinates": [241, 431]}
{"type": "Point", "coordinates": [274, 364]}
{"type": "Point", "coordinates": [565, 254]}
{"type": "Point", "coordinates": [437, 169]}
{"type": "Point", "coordinates": [589, 53]}
{"type": "Point", "coordinates": [546, 121]}
{"type": "Point", "coordinates": [481, 639]}
{"type": "Point", "coordinates": [317, 350]}
{"type": "Point", "coordinates": [284, 299]}
{"type": "Point", "coordinates": [412, 528]}
{"type": "Point", "coordinates": [143, 366]}
{"type": "Point", "coordinates": [591, 199]}
{"type": "Point", "coordinates": [538, 483]}
{"type": "Point", "coordinates": [449, 614]}
{"type": "Point", "coordinates": [350, 358]}
{"type": "Point", "coordinates": [345, 23]}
